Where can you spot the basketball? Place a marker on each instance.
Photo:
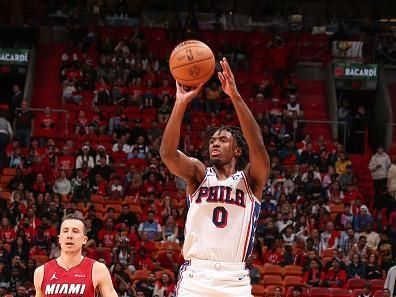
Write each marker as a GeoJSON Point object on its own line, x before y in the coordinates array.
{"type": "Point", "coordinates": [192, 62]}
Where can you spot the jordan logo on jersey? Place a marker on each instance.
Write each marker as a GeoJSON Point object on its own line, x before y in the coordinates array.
{"type": "Point", "coordinates": [76, 289]}
{"type": "Point", "coordinates": [53, 276]}
{"type": "Point", "coordinates": [221, 194]}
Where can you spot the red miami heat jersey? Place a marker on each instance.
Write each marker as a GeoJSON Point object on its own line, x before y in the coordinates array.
{"type": "Point", "coordinates": [77, 281]}
{"type": "Point", "coordinates": [221, 219]}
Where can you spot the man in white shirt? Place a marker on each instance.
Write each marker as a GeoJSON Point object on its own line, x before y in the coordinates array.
{"type": "Point", "coordinates": [373, 238]}
{"type": "Point", "coordinates": [379, 165]}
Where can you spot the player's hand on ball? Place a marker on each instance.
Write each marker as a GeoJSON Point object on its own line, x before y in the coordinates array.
{"type": "Point", "coordinates": [227, 79]}
{"type": "Point", "coordinates": [186, 96]}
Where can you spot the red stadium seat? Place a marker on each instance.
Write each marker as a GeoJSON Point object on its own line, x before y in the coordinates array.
{"type": "Point", "coordinates": [275, 280]}
{"type": "Point", "coordinates": [338, 292]}
{"type": "Point", "coordinates": [377, 284]}
{"type": "Point", "coordinates": [356, 283]}
{"type": "Point", "coordinates": [357, 292]}
{"type": "Point", "coordinates": [319, 292]}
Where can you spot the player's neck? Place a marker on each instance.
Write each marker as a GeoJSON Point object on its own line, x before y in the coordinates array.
{"type": "Point", "coordinates": [69, 260]}
{"type": "Point", "coordinates": [224, 171]}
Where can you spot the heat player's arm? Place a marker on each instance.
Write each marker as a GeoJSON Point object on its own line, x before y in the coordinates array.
{"type": "Point", "coordinates": [102, 280]}
{"type": "Point", "coordinates": [190, 169]}
{"type": "Point", "coordinates": [38, 280]}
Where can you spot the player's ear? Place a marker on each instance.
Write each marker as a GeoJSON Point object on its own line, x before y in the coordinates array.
{"type": "Point", "coordinates": [238, 152]}
{"type": "Point", "coordinates": [85, 239]}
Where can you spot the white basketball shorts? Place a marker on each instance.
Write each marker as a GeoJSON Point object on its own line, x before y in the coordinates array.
{"type": "Point", "coordinates": [202, 278]}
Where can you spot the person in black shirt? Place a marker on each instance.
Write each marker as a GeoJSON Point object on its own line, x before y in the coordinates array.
{"type": "Point", "coordinates": [23, 124]}
{"type": "Point", "coordinates": [146, 286]}
{"type": "Point", "coordinates": [16, 100]}
{"type": "Point", "coordinates": [127, 217]}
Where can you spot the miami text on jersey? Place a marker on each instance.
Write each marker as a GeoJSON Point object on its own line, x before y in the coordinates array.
{"type": "Point", "coordinates": [76, 289]}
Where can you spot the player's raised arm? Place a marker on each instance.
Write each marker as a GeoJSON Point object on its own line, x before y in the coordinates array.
{"type": "Point", "coordinates": [190, 169]}
{"type": "Point", "coordinates": [258, 169]}
{"type": "Point", "coordinates": [103, 280]}
{"type": "Point", "coordinates": [38, 279]}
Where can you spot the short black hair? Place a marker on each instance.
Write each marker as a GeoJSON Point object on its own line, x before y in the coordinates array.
{"type": "Point", "coordinates": [78, 217]}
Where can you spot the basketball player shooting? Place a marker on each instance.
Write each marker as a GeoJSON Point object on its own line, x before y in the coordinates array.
{"type": "Point", "coordinates": [72, 274]}
{"type": "Point", "coordinates": [223, 199]}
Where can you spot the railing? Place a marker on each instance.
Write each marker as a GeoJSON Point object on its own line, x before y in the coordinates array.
{"type": "Point", "coordinates": [61, 117]}
{"type": "Point", "coordinates": [335, 125]}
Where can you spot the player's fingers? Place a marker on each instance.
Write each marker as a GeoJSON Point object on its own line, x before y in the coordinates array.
{"type": "Point", "coordinates": [227, 67]}
{"type": "Point", "coordinates": [221, 77]}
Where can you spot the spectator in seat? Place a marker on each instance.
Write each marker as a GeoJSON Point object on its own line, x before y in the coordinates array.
{"type": "Point", "coordinates": [164, 287]}
{"type": "Point", "coordinates": [62, 184]}
{"type": "Point", "coordinates": [356, 269]}
{"type": "Point", "coordinates": [373, 271]}
{"type": "Point", "coordinates": [101, 152]}
{"type": "Point", "coordinates": [346, 177]}
{"type": "Point", "coordinates": [127, 217]}
{"type": "Point", "coordinates": [273, 256]}
{"type": "Point", "coordinates": [330, 237]}
{"type": "Point", "coordinates": [170, 230]}
{"type": "Point", "coordinates": [23, 124]}
{"type": "Point", "coordinates": [70, 92]}
{"type": "Point", "coordinates": [308, 156]}
{"type": "Point", "coordinates": [335, 277]}
{"type": "Point", "coordinates": [360, 248]}
{"type": "Point", "coordinates": [335, 194]}
{"type": "Point", "coordinates": [313, 275]}
{"type": "Point", "coordinates": [66, 161]}
{"type": "Point", "coordinates": [123, 254]}
{"type": "Point", "coordinates": [116, 189]}
{"type": "Point", "coordinates": [108, 235]}
{"type": "Point", "coordinates": [346, 218]}
{"type": "Point", "coordinates": [342, 163]}
{"type": "Point", "coordinates": [102, 168]}
{"type": "Point", "coordinates": [362, 219]}
{"type": "Point", "coordinates": [276, 109]}
{"type": "Point", "coordinates": [168, 260]}
{"type": "Point", "coordinates": [366, 291]}
{"type": "Point", "coordinates": [101, 92]}
{"type": "Point", "coordinates": [145, 288]}
{"type": "Point", "coordinates": [82, 123]}
{"type": "Point", "coordinates": [99, 185]}
{"type": "Point", "coordinates": [372, 237]}
{"type": "Point", "coordinates": [84, 157]}
{"type": "Point", "coordinates": [152, 228]}
{"type": "Point", "coordinates": [164, 110]}
{"type": "Point", "coordinates": [254, 272]}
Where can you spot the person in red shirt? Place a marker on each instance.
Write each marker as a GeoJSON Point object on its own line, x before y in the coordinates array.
{"type": "Point", "coordinates": [164, 286]}
{"type": "Point", "coordinates": [100, 252]}
{"type": "Point", "coordinates": [47, 123]}
{"type": "Point", "coordinates": [143, 260]}
{"type": "Point", "coordinates": [26, 229]}
{"type": "Point", "coordinates": [72, 273]}
{"type": "Point", "coordinates": [165, 89]}
{"type": "Point", "coordinates": [273, 256]}
{"type": "Point", "coordinates": [66, 161]}
{"type": "Point", "coordinates": [351, 194]}
{"type": "Point", "coordinates": [314, 275]}
{"type": "Point", "coordinates": [7, 232]}
{"type": "Point", "coordinates": [336, 277]}
{"type": "Point", "coordinates": [108, 235]}
{"type": "Point", "coordinates": [168, 259]}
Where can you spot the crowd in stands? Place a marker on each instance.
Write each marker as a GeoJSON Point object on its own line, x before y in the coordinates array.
{"type": "Point", "coordinates": [119, 97]}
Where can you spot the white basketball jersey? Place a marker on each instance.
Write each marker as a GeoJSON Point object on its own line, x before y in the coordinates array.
{"type": "Point", "coordinates": [221, 219]}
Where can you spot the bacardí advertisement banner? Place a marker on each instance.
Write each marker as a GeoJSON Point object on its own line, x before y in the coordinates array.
{"type": "Point", "coordinates": [355, 71]}
{"type": "Point", "coordinates": [10, 56]}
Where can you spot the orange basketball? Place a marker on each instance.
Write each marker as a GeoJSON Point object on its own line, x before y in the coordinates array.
{"type": "Point", "coordinates": [192, 62]}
